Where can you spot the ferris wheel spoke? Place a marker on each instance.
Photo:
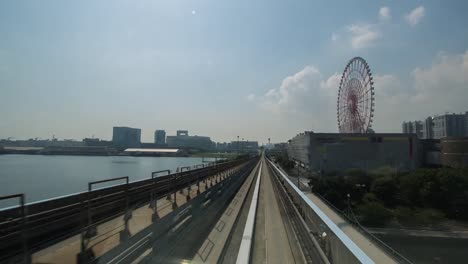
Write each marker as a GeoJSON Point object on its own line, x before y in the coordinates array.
{"type": "Point", "coordinates": [360, 120]}
{"type": "Point", "coordinates": [367, 91]}
{"type": "Point", "coordinates": [368, 80]}
{"type": "Point", "coordinates": [342, 107]}
{"type": "Point", "coordinates": [344, 115]}
{"type": "Point", "coordinates": [365, 100]}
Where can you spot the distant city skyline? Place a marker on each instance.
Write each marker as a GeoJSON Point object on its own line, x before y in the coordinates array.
{"type": "Point", "coordinates": [262, 69]}
{"type": "Point", "coordinates": [53, 136]}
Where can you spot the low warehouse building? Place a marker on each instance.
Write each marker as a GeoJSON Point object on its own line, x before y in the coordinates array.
{"type": "Point", "coordinates": [454, 152]}
{"type": "Point", "coordinates": [341, 151]}
{"type": "Point", "coordinates": [155, 152]}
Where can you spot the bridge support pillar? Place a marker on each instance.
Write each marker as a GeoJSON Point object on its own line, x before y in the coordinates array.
{"type": "Point", "coordinates": [124, 235]}
{"type": "Point", "coordinates": [85, 257]}
{"type": "Point", "coordinates": [153, 203]}
{"type": "Point", "coordinates": [155, 217]}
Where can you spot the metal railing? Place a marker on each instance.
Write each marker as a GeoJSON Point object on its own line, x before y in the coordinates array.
{"type": "Point", "coordinates": [200, 213]}
{"type": "Point", "coordinates": [50, 221]}
{"type": "Point", "coordinates": [363, 230]}
{"type": "Point", "coordinates": [353, 221]}
{"type": "Point", "coordinates": [338, 247]}
{"type": "Point", "coordinates": [310, 246]}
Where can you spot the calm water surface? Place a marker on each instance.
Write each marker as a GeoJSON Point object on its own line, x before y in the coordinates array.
{"type": "Point", "coordinates": [42, 177]}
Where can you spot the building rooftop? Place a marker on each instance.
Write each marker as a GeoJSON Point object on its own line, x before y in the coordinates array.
{"type": "Point", "coordinates": [152, 150]}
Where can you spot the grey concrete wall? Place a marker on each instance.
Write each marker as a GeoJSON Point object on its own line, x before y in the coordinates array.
{"type": "Point", "coordinates": [299, 149]}
{"type": "Point", "coordinates": [329, 152]}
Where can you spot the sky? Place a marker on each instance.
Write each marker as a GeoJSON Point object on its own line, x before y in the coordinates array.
{"type": "Point", "coordinates": [257, 69]}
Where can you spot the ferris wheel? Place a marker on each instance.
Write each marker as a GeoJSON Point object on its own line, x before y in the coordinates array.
{"type": "Point", "coordinates": [355, 105]}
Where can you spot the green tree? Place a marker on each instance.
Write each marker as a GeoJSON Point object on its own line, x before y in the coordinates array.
{"type": "Point", "coordinates": [369, 197]}
{"type": "Point", "coordinates": [452, 197]}
{"type": "Point", "coordinates": [385, 188]}
{"type": "Point", "coordinates": [373, 214]}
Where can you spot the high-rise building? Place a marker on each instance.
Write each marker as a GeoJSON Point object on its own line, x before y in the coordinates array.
{"type": "Point", "coordinates": [437, 127]}
{"type": "Point", "coordinates": [406, 127]}
{"type": "Point", "coordinates": [418, 128]}
{"type": "Point", "coordinates": [466, 123]}
{"type": "Point", "coordinates": [160, 137]}
{"type": "Point", "coordinates": [449, 125]}
{"type": "Point", "coordinates": [126, 137]}
{"type": "Point", "coordinates": [244, 146]}
{"type": "Point", "coordinates": [428, 128]}
{"type": "Point", "coordinates": [414, 127]}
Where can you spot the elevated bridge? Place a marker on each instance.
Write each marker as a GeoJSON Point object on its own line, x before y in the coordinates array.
{"type": "Point", "coordinates": [243, 211]}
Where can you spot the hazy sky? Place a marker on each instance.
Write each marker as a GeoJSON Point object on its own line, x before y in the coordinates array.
{"type": "Point", "coordinates": [252, 68]}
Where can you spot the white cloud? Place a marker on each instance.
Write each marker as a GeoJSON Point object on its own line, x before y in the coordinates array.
{"type": "Point", "coordinates": [335, 37]}
{"type": "Point", "coordinates": [304, 99]}
{"type": "Point", "coordinates": [441, 87]}
{"type": "Point", "coordinates": [330, 85]}
{"type": "Point", "coordinates": [363, 35]}
{"type": "Point", "coordinates": [384, 13]}
{"type": "Point", "coordinates": [415, 16]}
{"type": "Point", "coordinates": [285, 98]}
{"type": "Point", "coordinates": [445, 82]}
{"type": "Point", "coordinates": [388, 84]}
{"type": "Point", "coordinates": [250, 97]}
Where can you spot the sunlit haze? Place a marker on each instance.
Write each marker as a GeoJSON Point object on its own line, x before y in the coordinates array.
{"type": "Point", "coordinates": [257, 69]}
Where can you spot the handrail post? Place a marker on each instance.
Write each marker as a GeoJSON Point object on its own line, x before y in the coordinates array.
{"type": "Point", "coordinates": [125, 234]}
{"type": "Point", "coordinates": [91, 230]}
{"type": "Point", "coordinates": [174, 204]}
{"type": "Point", "coordinates": [86, 254]}
{"type": "Point", "coordinates": [153, 199]}
{"type": "Point", "coordinates": [24, 224]}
